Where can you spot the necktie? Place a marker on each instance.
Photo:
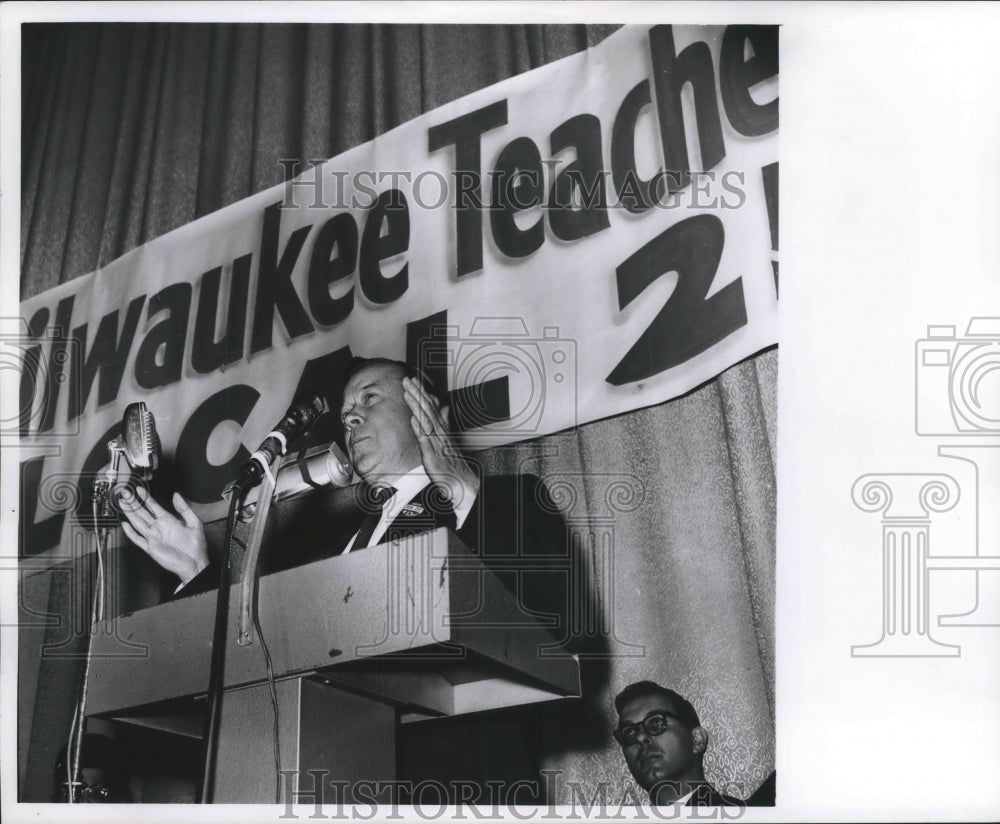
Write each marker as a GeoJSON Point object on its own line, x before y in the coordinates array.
{"type": "Point", "coordinates": [375, 501]}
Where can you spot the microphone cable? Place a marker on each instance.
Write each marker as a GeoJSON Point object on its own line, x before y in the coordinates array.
{"type": "Point", "coordinates": [271, 688]}
{"type": "Point", "coordinates": [217, 670]}
{"type": "Point", "coordinates": [274, 701]}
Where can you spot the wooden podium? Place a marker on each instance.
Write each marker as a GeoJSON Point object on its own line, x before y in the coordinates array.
{"type": "Point", "coordinates": [402, 632]}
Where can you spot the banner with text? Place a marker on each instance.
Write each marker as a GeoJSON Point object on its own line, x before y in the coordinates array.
{"type": "Point", "coordinates": [593, 236]}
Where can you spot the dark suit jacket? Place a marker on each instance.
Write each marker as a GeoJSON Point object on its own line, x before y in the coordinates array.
{"type": "Point", "coordinates": [514, 525]}
{"type": "Point", "coordinates": [707, 796]}
{"type": "Point", "coordinates": [764, 795]}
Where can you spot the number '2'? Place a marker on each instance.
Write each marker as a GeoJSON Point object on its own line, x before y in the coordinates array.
{"type": "Point", "coordinates": [688, 324]}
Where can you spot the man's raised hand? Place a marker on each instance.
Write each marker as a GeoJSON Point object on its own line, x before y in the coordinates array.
{"type": "Point", "coordinates": [439, 453]}
{"type": "Point", "coordinates": [176, 544]}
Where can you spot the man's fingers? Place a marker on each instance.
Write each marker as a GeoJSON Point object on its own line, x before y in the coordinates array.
{"type": "Point", "coordinates": [430, 415]}
{"type": "Point", "coordinates": [136, 518]}
{"type": "Point", "coordinates": [418, 407]}
{"type": "Point", "coordinates": [150, 502]}
{"type": "Point", "coordinates": [185, 511]}
{"type": "Point", "coordinates": [418, 389]}
{"type": "Point", "coordinates": [423, 436]}
{"type": "Point", "coordinates": [133, 535]}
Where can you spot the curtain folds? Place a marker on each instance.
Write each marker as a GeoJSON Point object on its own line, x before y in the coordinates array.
{"type": "Point", "coordinates": [129, 131]}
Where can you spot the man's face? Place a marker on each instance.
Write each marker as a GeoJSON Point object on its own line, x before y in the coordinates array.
{"type": "Point", "coordinates": [380, 440]}
{"type": "Point", "coordinates": [673, 755]}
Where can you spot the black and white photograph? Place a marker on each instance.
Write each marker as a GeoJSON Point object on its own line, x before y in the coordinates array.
{"type": "Point", "coordinates": [409, 411]}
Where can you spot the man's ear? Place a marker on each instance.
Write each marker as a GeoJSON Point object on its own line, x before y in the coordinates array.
{"type": "Point", "coordinates": [699, 740]}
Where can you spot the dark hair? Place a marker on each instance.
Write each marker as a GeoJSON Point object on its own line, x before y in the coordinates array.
{"type": "Point", "coordinates": [685, 711]}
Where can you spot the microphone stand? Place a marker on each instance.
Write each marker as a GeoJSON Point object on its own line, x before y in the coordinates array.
{"type": "Point", "coordinates": [247, 610]}
{"type": "Point", "coordinates": [101, 509]}
{"type": "Point", "coordinates": [140, 446]}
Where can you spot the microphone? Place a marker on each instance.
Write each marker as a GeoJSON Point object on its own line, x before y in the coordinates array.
{"type": "Point", "coordinates": [314, 468]}
{"type": "Point", "coordinates": [139, 444]}
{"type": "Point", "coordinates": [297, 420]}
{"type": "Point", "coordinates": [140, 441]}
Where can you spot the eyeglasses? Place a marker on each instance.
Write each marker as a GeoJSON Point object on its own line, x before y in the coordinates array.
{"type": "Point", "coordinates": [654, 724]}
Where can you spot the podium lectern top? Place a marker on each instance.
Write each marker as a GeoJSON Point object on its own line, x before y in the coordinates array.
{"type": "Point", "coordinates": [420, 622]}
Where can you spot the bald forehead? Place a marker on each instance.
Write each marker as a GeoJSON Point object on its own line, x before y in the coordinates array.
{"type": "Point", "coordinates": [381, 375]}
{"type": "Point", "coordinates": [376, 372]}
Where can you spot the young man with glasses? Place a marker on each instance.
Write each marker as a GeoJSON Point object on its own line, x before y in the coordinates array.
{"type": "Point", "coordinates": [664, 745]}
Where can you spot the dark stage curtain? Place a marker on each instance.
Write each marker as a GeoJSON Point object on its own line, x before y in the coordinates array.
{"type": "Point", "coordinates": [130, 131]}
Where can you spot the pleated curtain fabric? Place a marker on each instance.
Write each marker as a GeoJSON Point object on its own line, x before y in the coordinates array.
{"type": "Point", "coordinates": [131, 130]}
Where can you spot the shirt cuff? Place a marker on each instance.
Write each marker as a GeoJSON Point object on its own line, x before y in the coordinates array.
{"type": "Point", "coordinates": [183, 584]}
{"type": "Point", "coordinates": [462, 512]}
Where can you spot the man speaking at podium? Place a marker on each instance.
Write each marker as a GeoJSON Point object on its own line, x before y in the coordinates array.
{"type": "Point", "coordinates": [413, 479]}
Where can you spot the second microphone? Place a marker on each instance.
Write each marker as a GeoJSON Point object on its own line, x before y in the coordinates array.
{"type": "Point", "coordinates": [297, 420]}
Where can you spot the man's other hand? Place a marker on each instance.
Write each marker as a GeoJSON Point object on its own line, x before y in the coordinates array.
{"type": "Point", "coordinates": [176, 544]}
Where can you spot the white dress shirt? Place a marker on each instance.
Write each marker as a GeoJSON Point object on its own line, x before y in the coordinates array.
{"type": "Point", "coordinates": [407, 488]}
